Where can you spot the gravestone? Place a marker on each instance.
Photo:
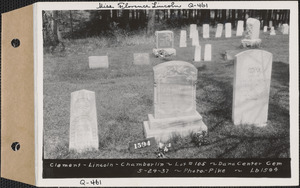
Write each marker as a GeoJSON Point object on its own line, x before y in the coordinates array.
{"type": "Point", "coordinates": [240, 28]}
{"type": "Point", "coordinates": [164, 42]}
{"type": "Point", "coordinates": [280, 27]}
{"type": "Point", "coordinates": [227, 30]}
{"type": "Point", "coordinates": [219, 30]}
{"type": "Point", "coordinates": [270, 24]}
{"type": "Point", "coordinates": [193, 27]}
{"type": "Point", "coordinates": [285, 29]}
{"type": "Point", "coordinates": [83, 121]}
{"type": "Point", "coordinates": [207, 52]}
{"type": "Point", "coordinates": [197, 55]}
{"type": "Point", "coordinates": [252, 33]}
{"type": "Point", "coordinates": [141, 59]}
{"type": "Point", "coordinates": [174, 102]}
{"type": "Point", "coordinates": [272, 32]}
{"type": "Point", "coordinates": [182, 42]}
{"type": "Point", "coordinates": [205, 31]}
{"type": "Point", "coordinates": [98, 62]}
{"type": "Point", "coordinates": [265, 29]}
{"type": "Point", "coordinates": [251, 87]}
{"type": "Point", "coordinates": [195, 38]}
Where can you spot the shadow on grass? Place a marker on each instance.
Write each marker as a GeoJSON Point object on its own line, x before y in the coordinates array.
{"type": "Point", "coordinates": [280, 73]}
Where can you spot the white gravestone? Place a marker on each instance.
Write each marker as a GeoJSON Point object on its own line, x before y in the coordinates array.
{"type": "Point", "coordinates": [207, 52]}
{"type": "Point", "coordinates": [272, 32]}
{"type": "Point", "coordinates": [270, 24]}
{"type": "Point", "coordinates": [197, 55]}
{"type": "Point", "coordinates": [98, 62]}
{"type": "Point", "coordinates": [174, 102]}
{"type": "Point", "coordinates": [252, 33]}
{"type": "Point", "coordinates": [195, 38]}
{"type": "Point", "coordinates": [193, 27]}
{"type": "Point", "coordinates": [205, 31]}
{"type": "Point", "coordinates": [285, 29]}
{"type": "Point", "coordinates": [240, 28]}
{"type": "Point", "coordinates": [251, 87]}
{"type": "Point", "coordinates": [219, 30]}
{"type": "Point", "coordinates": [83, 121]}
{"type": "Point", "coordinates": [265, 29]}
{"type": "Point", "coordinates": [141, 59]}
{"type": "Point", "coordinates": [165, 42]}
{"type": "Point", "coordinates": [227, 30]}
{"type": "Point", "coordinates": [182, 42]}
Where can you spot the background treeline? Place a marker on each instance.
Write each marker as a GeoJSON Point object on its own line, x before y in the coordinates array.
{"type": "Point", "coordinates": [74, 24]}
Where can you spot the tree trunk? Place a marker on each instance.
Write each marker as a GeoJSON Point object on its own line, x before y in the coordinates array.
{"type": "Point", "coordinates": [151, 21]}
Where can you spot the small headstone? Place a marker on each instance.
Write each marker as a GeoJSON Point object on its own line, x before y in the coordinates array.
{"type": "Point", "coordinates": [98, 62]}
{"type": "Point", "coordinates": [141, 59]}
{"type": "Point", "coordinates": [272, 32]}
{"type": "Point", "coordinates": [174, 102]}
{"type": "Point", "coordinates": [165, 42]}
{"type": "Point", "coordinates": [207, 52]}
{"type": "Point", "coordinates": [270, 23]}
{"type": "Point", "coordinates": [227, 30]}
{"type": "Point", "coordinates": [197, 55]}
{"type": "Point", "coordinates": [285, 29]}
{"type": "Point", "coordinates": [219, 30]}
{"type": "Point", "coordinates": [193, 27]}
{"type": "Point", "coordinates": [251, 87]}
{"type": "Point", "coordinates": [182, 42]}
{"type": "Point", "coordinates": [240, 28]}
{"type": "Point", "coordinates": [252, 33]}
{"type": "Point", "coordinates": [205, 31]}
{"type": "Point", "coordinates": [83, 121]}
{"type": "Point", "coordinates": [195, 38]}
{"type": "Point", "coordinates": [265, 29]}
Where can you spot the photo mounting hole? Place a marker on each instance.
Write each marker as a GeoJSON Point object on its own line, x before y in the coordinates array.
{"type": "Point", "coordinates": [15, 146]}
{"type": "Point", "coordinates": [15, 43]}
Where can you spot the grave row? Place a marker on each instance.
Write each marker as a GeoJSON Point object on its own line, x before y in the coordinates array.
{"type": "Point", "coordinates": [175, 101]}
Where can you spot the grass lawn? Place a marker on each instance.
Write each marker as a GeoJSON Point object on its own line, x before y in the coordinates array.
{"type": "Point", "coordinates": [124, 98]}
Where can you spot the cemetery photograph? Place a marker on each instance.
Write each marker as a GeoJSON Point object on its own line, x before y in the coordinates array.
{"type": "Point", "coordinates": [166, 83]}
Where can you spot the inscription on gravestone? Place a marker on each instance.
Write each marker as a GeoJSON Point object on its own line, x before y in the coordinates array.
{"type": "Point", "coordinates": [164, 39]}
{"type": "Point", "coordinates": [251, 87]}
{"type": "Point", "coordinates": [174, 101]}
{"type": "Point", "coordinates": [83, 121]}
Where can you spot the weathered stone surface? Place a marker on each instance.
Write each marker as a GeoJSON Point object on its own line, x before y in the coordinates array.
{"type": "Point", "coordinates": [193, 27]}
{"type": "Point", "coordinates": [195, 38]}
{"type": "Point", "coordinates": [251, 87]}
{"type": "Point", "coordinates": [205, 31]}
{"type": "Point", "coordinates": [252, 33]}
{"type": "Point", "coordinates": [174, 101]}
{"type": "Point", "coordinates": [240, 28]}
{"type": "Point", "coordinates": [219, 30]}
{"type": "Point", "coordinates": [98, 62]}
{"type": "Point", "coordinates": [164, 39]}
{"type": "Point", "coordinates": [83, 121]}
{"type": "Point", "coordinates": [182, 42]}
{"type": "Point", "coordinates": [141, 59]}
{"type": "Point", "coordinates": [227, 30]}
{"type": "Point", "coordinates": [207, 52]}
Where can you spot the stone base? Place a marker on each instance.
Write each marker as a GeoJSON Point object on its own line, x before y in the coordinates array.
{"type": "Point", "coordinates": [251, 42]}
{"type": "Point", "coordinates": [164, 52]}
{"type": "Point", "coordinates": [164, 129]}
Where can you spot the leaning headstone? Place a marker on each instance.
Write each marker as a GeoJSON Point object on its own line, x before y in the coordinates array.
{"type": "Point", "coordinates": [193, 27]}
{"type": "Point", "coordinates": [207, 52]}
{"type": "Point", "coordinates": [285, 29]}
{"type": "Point", "coordinates": [252, 33]}
{"type": "Point", "coordinates": [174, 102]}
{"type": "Point", "coordinates": [265, 29]}
{"type": "Point", "coordinates": [195, 38]}
{"type": "Point", "coordinates": [182, 42]}
{"type": "Point", "coordinates": [227, 30]}
{"type": "Point", "coordinates": [98, 62]}
{"type": "Point", "coordinates": [197, 55]}
{"type": "Point", "coordinates": [164, 43]}
{"type": "Point", "coordinates": [219, 30]}
{"type": "Point", "coordinates": [251, 87]}
{"type": "Point", "coordinates": [272, 32]}
{"type": "Point", "coordinates": [205, 31]}
{"type": "Point", "coordinates": [141, 59]}
{"type": "Point", "coordinates": [240, 28]}
{"type": "Point", "coordinates": [83, 121]}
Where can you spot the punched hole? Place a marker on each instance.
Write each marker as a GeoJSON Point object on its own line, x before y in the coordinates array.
{"type": "Point", "coordinates": [15, 146]}
{"type": "Point", "coordinates": [15, 43]}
